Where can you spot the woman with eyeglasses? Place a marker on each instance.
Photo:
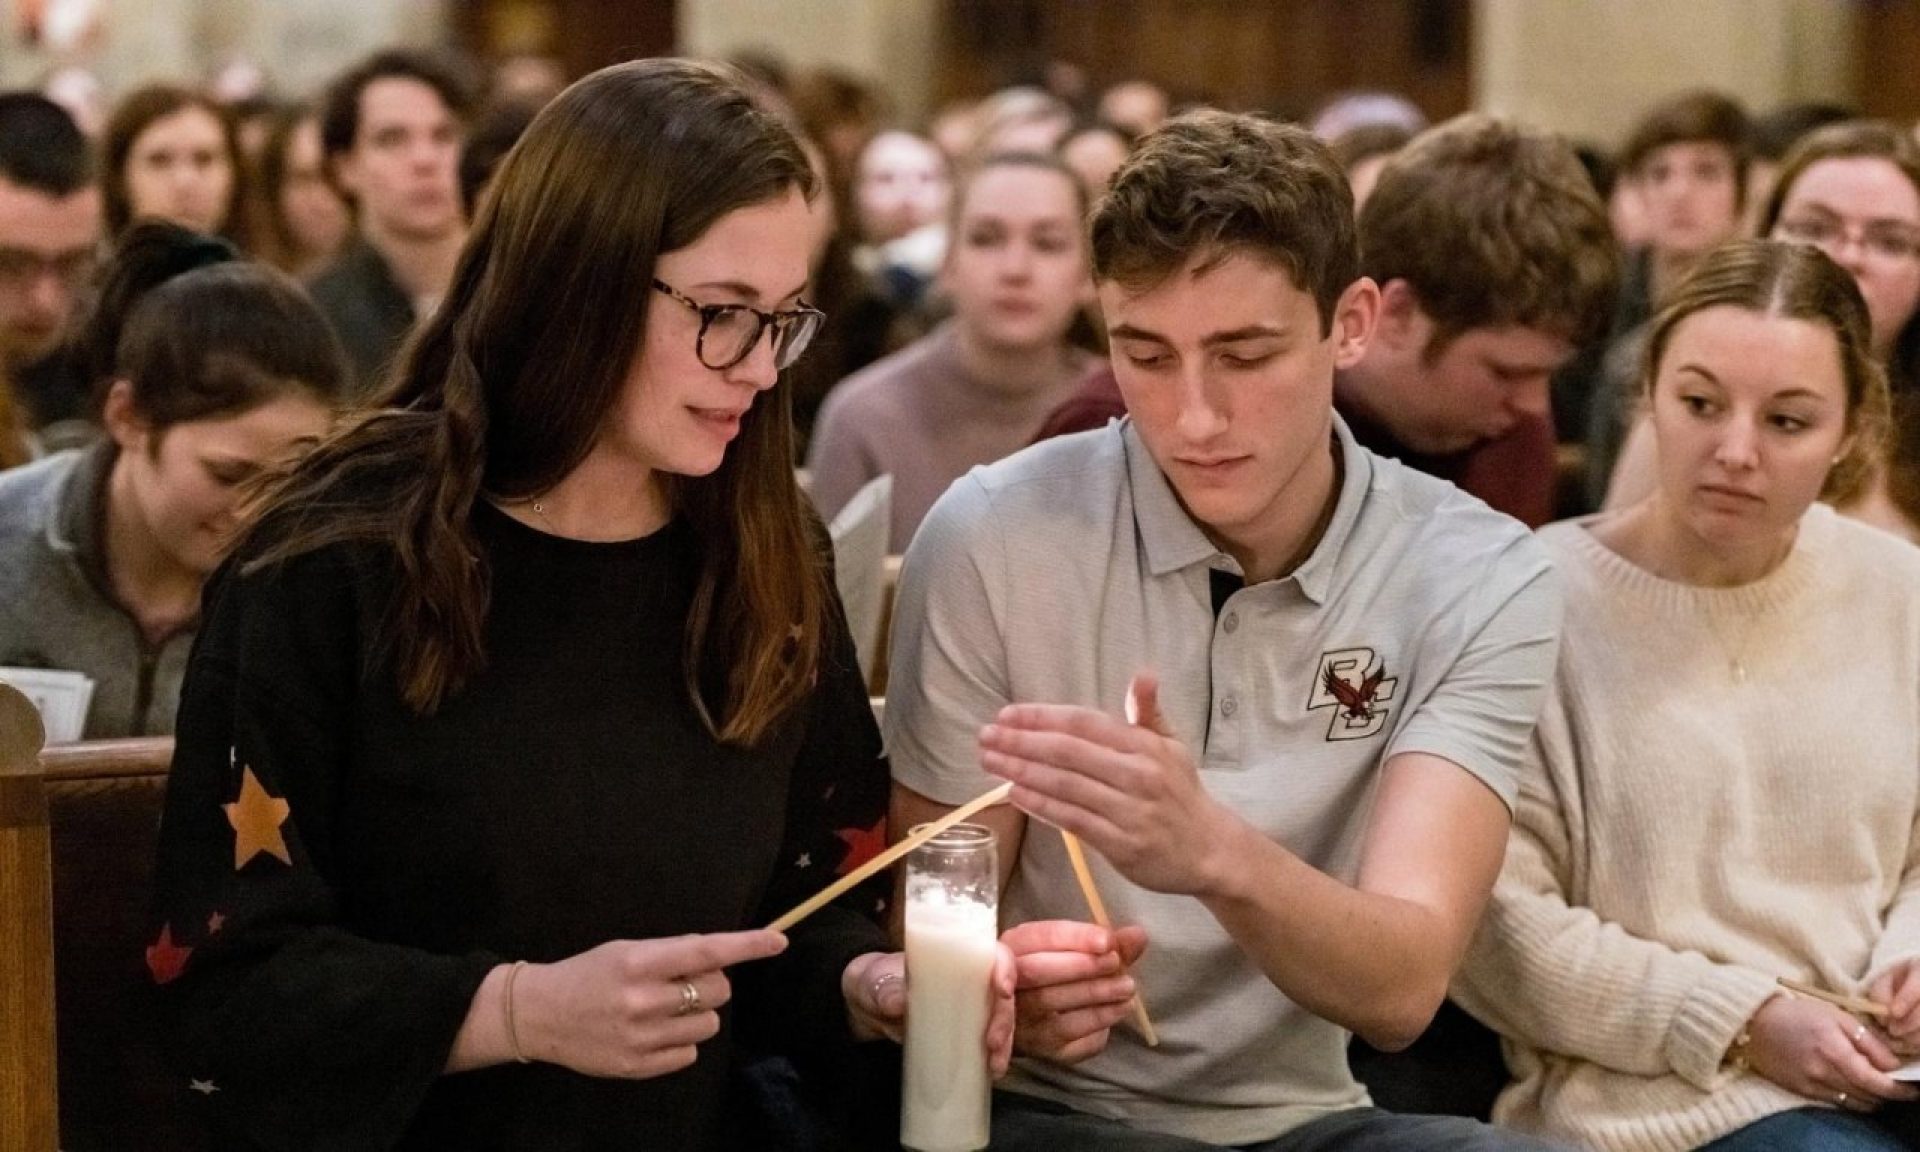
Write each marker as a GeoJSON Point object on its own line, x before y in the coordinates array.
{"type": "Point", "coordinates": [528, 701]}
{"type": "Point", "coordinates": [1853, 191]}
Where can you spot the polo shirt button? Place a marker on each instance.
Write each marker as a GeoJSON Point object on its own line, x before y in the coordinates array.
{"type": "Point", "coordinates": [1231, 622]}
{"type": "Point", "coordinates": [1229, 706]}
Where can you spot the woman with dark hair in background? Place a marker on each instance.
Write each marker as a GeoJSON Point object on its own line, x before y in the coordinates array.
{"type": "Point", "coordinates": [214, 370]}
{"type": "Point", "coordinates": [528, 698]}
{"type": "Point", "coordinates": [302, 219]}
{"type": "Point", "coordinates": [171, 154]}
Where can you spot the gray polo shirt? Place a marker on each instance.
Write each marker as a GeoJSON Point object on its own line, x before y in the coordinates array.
{"type": "Point", "coordinates": [1422, 622]}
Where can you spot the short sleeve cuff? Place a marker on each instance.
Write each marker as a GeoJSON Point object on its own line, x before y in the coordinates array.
{"type": "Point", "coordinates": [1499, 773]}
{"type": "Point", "coordinates": [941, 786]}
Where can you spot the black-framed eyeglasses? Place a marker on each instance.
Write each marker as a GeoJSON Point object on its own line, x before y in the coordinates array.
{"type": "Point", "coordinates": [730, 332]}
{"type": "Point", "coordinates": [20, 268]}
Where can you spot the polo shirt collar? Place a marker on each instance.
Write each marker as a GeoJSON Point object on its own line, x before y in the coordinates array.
{"type": "Point", "coordinates": [1315, 576]}
{"type": "Point", "coordinates": [1173, 541]}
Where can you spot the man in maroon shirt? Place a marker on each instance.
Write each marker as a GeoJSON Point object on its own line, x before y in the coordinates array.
{"type": "Point", "coordinates": [1495, 263]}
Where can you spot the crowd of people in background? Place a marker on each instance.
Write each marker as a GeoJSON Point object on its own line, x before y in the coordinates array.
{"type": "Point", "coordinates": [458, 362]}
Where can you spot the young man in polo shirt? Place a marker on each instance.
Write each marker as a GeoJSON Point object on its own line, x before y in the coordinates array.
{"type": "Point", "coordinates": [1495, 263]}
{"type": "Point", "coordinates": [1336, 663]}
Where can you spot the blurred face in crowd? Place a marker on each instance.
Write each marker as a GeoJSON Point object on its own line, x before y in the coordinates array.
{"type": "Point", "coordinates": [1038, 133]}
{"type": "Point", "coordinates": [316, 217]}
{"type": "Point", "coordinates": [678, 415]}
{"type": "Point", "coordinates": [955, 128]}
{"type": "Point", "coordinates": [179, 169]}
{"type": "Point", "coordinates": [48, 246]}
{"type": "Point", "coordinates": [1094, 154]}
{"type": "Point", "coordinates": [1447, 397]}
{"type": "Point", "coordinates": [1627, 213]}
{"type": "Point", "coordinates": [1864, 213]}
{"type": "Point", "coordinates": [902, 186]}
{"type": "Point", "coordinates": [1135, 105]}
{"type": "Point", "coordinates": [1229, 379]}
{"type": "Point", "coordinates": [1690, 196]}
{"type": "Point", "coordinates": [403, 168]}
{"type": "Point", "coordinates": [1016, 267]}
{"type": "Point", "coordinates": [1749, 411]}
{"type": "Point", "coordinates": [179, 486]}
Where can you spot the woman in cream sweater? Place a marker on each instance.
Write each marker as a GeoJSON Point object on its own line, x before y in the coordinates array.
{"type": "Point", "coordinates": [1724, 787]}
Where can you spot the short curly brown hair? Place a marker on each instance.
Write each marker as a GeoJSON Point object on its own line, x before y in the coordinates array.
{"type": "Point", "coordinates": [1213, 184]}
{"type": "Point", "coordinates": [1492, 225]}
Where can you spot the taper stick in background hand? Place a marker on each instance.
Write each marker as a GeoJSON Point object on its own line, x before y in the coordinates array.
{"type": "Point", "coordinates": [1859, 1006]}
{"type": "Point", "coordinates": [1078, 856]}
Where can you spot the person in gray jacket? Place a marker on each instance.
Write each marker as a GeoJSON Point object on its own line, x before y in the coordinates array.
{"type": "Point", "coordinates": [213, 368]}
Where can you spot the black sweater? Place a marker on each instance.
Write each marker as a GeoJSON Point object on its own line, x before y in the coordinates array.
{"type": "Point", "coordinates": [568, 796]}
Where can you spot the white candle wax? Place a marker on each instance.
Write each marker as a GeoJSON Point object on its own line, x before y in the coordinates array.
{"type": "Point", "coordinates": [950, 947]}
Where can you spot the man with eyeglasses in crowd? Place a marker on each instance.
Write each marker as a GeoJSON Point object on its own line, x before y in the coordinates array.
{"type": "Point", "coordinates": [49, 241]}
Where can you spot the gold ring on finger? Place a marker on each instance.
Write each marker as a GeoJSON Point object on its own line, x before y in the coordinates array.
{"type": "Point", "coordinates": [689, 999]}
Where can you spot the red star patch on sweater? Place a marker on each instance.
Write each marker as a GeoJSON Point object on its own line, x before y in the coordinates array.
{"type": "Point", "coordinates": [863, 844]}
{"type": "Point", "coordinates": [165, 959]}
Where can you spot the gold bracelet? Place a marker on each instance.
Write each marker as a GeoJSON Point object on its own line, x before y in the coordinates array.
{"type": "Point", "coordinates": [1737, 1052]}
{"type": "Point", "coordinates": [513, 1032]}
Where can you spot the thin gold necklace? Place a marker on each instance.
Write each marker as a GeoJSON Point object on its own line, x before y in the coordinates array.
{"type": "Point", "coordinates": [540, 509]}
{"type": "Point", "coordinates": [538, 505]}
{"type": "Point", "coordinates": [1736, 654]}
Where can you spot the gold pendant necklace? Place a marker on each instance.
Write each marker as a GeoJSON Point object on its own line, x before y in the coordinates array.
{"type": "Point", "coordinates": [540, 509]}
{"type": "Point", "coordinates": [1736, 654]}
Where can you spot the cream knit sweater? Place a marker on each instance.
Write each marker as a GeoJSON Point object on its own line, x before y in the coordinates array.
{"type": "Point", "coordinates": [1683, 836]}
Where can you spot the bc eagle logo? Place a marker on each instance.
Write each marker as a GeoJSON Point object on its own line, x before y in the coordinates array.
{"type": "Point", "coordinates": [1354, 683]}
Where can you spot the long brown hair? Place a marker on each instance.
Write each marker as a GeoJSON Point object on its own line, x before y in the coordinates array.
{"type": "Point", "coordinates": [1793, 282]}
{"type": "Point", "coordinates": [506, 387]}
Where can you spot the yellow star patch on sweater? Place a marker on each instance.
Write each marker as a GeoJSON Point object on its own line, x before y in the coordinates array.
{"type": "Point", "coordinates": [256, 818]}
